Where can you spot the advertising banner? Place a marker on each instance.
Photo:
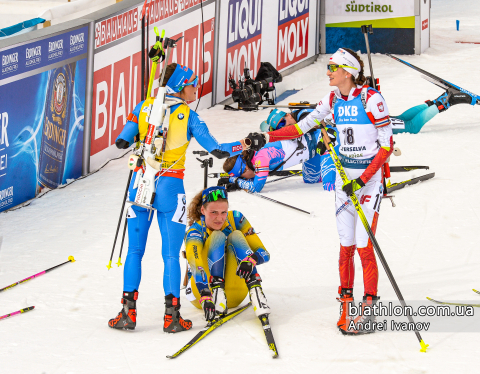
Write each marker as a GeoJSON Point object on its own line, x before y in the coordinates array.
{"type": "Point", "coordinates": [292, 41]}
{"type": "Point", "coordinates": [281, 32]}
{"type": "Point", "coordinates": [393, 22]}
{"type": "Point", "coordinates": [117, 64]}
{"type": "Point", "coordinates": [42, 87]}
{"type": "Point", "coordinates": [243, 39]}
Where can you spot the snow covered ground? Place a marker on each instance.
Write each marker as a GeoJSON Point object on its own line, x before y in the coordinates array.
{"type": "Point", "coordinates": [429, 241]}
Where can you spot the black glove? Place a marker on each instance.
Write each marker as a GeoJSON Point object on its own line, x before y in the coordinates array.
{"type": "Point", "coordinates": [122, 144]}
{"type": "Point", "coordinates": [223, 181]}
{"type": "Point", "coordinates": [207, 305]}
{"type": "Point", "coordinates": [321, 147]}
{"type": "Point", "coordinates": [353, 186]}
{"type": "Point", "coordinates": [245, 267]}
{"type": "Point", "coordinates": [257, 140]}
{"type": "Point", "coordinates": [230, 187]}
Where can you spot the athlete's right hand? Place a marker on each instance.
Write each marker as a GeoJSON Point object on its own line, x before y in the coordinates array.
{"type": "Point", "coordinates": [257, 140]}
{"type": "Point", "coordinates": [122, 144]}
{"type": "Point", "coordinates": [207, 305]}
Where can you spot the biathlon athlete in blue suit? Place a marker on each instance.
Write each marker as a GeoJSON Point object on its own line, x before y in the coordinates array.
{"type": "Point", "coordinates": [170, 201]}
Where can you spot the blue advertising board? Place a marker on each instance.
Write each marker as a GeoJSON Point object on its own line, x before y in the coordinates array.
{"type": "Point", "coordinates": [42, 101]}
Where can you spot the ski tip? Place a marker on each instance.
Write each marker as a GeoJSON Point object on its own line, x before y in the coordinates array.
{"type": "Point", "coordinates": [169, 357]}
{"type": "Point", "coordinates": [423, 346]}
{"type": "Point", "coordinates": [474, 290]}
{"type": "Point", "coordinates": [71, 259]}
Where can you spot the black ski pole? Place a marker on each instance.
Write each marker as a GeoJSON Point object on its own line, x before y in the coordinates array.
{"type": "Point", "coordinates": [368, 29]}
{"type": "Point", "coordinates": [285, 177]}
{"type": "Point", "coordinates": [70, 259]}
{"type": "Point", "coordinates": [142, 94]}
{"type": "Point", "coordinates": [109, 266]}
{"type": "Point", "coordinates": [119, 263]}
{"type": "Point", "coordinates": [275, 201]}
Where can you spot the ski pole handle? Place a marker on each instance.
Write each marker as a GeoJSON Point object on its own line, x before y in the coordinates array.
{"type": "Point", "coordinates": [24, 310]}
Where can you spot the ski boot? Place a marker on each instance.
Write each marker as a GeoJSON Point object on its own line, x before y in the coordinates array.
{"type": "Point", "coordinates": [173, 322]}
{"type": "Point", "coordinates": [259, 301]}
{"type": "Point", "coordinates": [364, 323]}
{"type": "Point", "coordinates": [217, 285]}
{"type": "Point", "coordinates": [345, 297]}
{"type": "Point", "coordinates": [127, 318]}
{"type": "Point", "coordinates": [451, 97]}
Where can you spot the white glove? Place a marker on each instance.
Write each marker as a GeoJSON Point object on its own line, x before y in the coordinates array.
{"type": "Point", "coordinates": [158, 142]}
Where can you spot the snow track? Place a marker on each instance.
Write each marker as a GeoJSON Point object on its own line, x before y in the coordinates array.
{"type": "Point", "coordinates": [429, 240]}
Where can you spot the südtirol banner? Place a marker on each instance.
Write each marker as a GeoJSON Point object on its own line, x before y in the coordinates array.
{"type": "Point", "coordinates": [42, 86]}
{"type": "Point", "coordinates": [393, 22]}
{"type": "Point", "coordinates": [117, 64]}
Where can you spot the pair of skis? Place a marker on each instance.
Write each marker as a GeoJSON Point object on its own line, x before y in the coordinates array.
{"type": "Point", "coordinates": [459, 304]}
{"type": "Point", "coordinates": [220, 321]}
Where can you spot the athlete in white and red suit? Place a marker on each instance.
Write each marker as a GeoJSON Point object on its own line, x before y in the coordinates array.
{"type": "Point", "coordinates": [365, 136]}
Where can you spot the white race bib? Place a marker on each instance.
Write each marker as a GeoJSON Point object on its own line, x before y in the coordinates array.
{"type": "Point", "coordinates": [180, 215]}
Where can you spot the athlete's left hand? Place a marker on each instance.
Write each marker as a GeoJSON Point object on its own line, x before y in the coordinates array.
{"type": "Point", "coordinates": [245, 268]}
{"type": "Point", "coordinates": [230, 187]}
{"type": "Point", "coordinates": [321, 147]}
{"type": "Point", "coordinates": [352, 186]}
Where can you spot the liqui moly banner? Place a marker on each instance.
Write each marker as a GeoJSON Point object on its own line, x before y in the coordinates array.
{"type": "Point", "coordinates": [117, 64]}
{"type": "Point", "coordinates": [244, 38]}
{"type": "Point", "coordinates": [293, 28]}
{"type": "Point", "coordinates": [281, 32]}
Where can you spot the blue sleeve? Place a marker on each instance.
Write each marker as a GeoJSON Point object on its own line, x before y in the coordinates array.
{"type": "Point", "coordinates": [254, 242]}
{"type": "Point", "coordinates": [328, 169]}
{"type": "Point", "coordinates": [199, 130]}
{"type": "Point", "coordinates": [194, 246]}
{"type": "Point", "coordinates": [253, 185]}
{"type": "Point", "coordinates": [130, 130]}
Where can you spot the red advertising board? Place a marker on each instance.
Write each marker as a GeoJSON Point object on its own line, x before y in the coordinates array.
{"type": "Point", "coordinates": [116, 85]}
{"type": "Point", "coordinates": [293, 29]}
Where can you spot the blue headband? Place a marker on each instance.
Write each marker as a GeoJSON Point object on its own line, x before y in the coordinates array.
{"type": "Point", "coordinates": [180, 76]}
{"type": "Point", "coordinates": [239, 167]}
{"type": "Point", "coordinates": [213, 194]}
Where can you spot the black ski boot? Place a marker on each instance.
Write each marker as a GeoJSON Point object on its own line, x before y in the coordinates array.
{"type": "Point", "coordinates": [127, 318]}
{"type": "Point", "coordinates": [173, 322]}
{"type": "Point", "coordinates": [451, 97]}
